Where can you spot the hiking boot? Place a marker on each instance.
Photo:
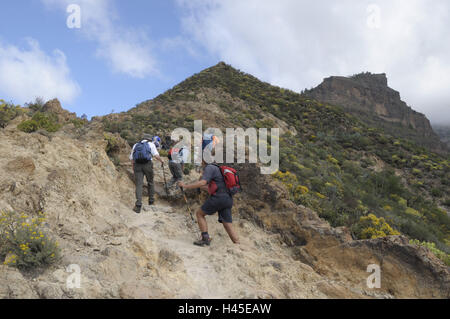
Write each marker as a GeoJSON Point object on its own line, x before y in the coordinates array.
{"type": "Point", "coordinates": [203, 242]}
{"type": "Point", "coordinates": [137, 209]}
{"type": "Point", "coordinates": [151, 201]}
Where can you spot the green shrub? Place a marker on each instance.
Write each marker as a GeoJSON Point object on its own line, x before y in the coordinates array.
{"type": "Point", "coordinates": [28, 126]}
{"type": "Point", "coordinates": [79, 123]}
{"type": "Point", "coordinates": [412, 211]}
{"type": "Point", "coordinates": [8, 112]}
{"type": "Point", "coordinates": [48, 122]}
{"type": "Point", "coordinates": [24, 244]}
{"type": "Point", "coordinates": [432, 247]}
{"type": "Point", "coordinates": [436, 192]}
{"type": "Point", "coordinates": [264, 124]}
{"type": "Point", "coordinates": [163, 153]}
{"type": "Point", "coordinates": [188, 168]}
{"type": "Point", "coordinates": [112, 145]}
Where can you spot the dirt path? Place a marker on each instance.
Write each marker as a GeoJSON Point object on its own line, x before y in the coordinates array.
{"type": "Point", "coordinates": [259, 267]}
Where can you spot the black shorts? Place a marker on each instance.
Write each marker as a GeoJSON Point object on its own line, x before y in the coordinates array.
{"type": "Point", "coordinates": [219, 203]}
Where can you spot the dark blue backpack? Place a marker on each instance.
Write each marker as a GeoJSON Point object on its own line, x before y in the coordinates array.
{"type": "Point", "coordinates": [142, 153]}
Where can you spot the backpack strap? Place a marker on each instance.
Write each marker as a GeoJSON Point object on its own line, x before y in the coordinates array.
{"type": "Point", "coordinates": [148, 148]}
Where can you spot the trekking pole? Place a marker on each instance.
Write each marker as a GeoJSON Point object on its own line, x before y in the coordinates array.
{"type": "Point", "coordinates": [165, 181]}
{"type": "Point", "coordinates": [187, 204]}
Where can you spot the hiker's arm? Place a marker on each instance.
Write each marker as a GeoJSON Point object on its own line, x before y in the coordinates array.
{"type": "Point", "coordinates": [198, 184]}
{"type": "Point", "coordinates": [159, 159]}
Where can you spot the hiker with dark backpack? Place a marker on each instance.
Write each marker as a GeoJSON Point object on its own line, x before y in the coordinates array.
{"type": "Point", "coordinates": [142, 159]}
{"type": "Point", "coordinates": [177, 158]}
{"type": "Point", "coordinates": [223, 183]}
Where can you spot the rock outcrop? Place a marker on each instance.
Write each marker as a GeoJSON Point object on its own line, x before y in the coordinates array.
{"type": "Point", "coordinates": [54, 107]}
{"type": "Point", "coordinates": [369, 97]}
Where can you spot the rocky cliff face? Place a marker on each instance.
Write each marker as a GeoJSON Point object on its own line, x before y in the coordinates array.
{"type": "Point", "coordinates": [368, 97]}
{"type": "Point", "coordinates": [287, 251]}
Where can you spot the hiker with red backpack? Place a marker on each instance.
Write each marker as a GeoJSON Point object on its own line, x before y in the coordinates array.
{"type": "Point", "coordinates": [223, 183]}
{"type": "Point", "coordinates": [142, 159]}
{"type": "Point", "coordinates": [177, 158]}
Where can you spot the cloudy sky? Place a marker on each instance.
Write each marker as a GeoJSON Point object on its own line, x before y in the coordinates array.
{"type": "Point", "coordinates": [128, 51]}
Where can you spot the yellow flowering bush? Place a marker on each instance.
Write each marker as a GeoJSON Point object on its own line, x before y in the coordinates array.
{"type": "Point", "coordinates": [413, 212]}
{"type": "Point", "coordinates": [112, 143]}
{"type": "Point", "coordinates": [287, 178]}
{"type": "Point", "coordinates": [300, 189]}
{"type": "Point", "coordinates": [24, 244]}
{"type": "Point", "coordinates": [8, 112]}
{"type": "Point", "coordinates": [332, 160]}
{"type": "Point", "coordinates": [371, 227]}
{"type": "Point", "coordinates": [299, 193]}
{"type": "Point", "coordinates": [321, 196]}
{"type": "Point", "coordinates": [401, 201]}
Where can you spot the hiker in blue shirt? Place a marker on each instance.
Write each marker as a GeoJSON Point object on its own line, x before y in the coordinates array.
{"type": "Point", "coordinates": [142, 159]}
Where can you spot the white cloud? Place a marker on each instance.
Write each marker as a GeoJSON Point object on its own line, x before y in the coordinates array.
{"type": "Point", "coordinates": [126, 50]}
{"type": "Point", "coordinates": [296, 43]}
{"type": "Point", "coordinates": [29, 73]}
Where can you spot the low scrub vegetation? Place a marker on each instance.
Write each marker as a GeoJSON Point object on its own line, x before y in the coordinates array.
{"type": "Point", "coordinates": [24, 243]}
{"type": "Point", "coordinates": [432, 247]}
{"type": "Point", "coordinates": [334, 164]}
{"type": "Point", "coordinates": [45, 121]}
{"type": "Point", "coordinates": [8, 112]}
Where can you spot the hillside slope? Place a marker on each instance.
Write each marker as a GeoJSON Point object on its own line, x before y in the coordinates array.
{"type": "Point", "coordinates": [331, 161]}
{"type": "Point", "coordinates": [286, 251]}
{"type": "Point", "coordinates": [443, 131]}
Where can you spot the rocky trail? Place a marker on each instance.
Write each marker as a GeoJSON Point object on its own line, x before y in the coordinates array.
{"type": "Point", "coordinates": [225, 270]}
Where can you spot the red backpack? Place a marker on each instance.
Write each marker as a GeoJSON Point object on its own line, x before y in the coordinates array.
{"type": "Point", "coordinates": [175, 151]}
{"type": "Point", "coordinates": [231, 178]}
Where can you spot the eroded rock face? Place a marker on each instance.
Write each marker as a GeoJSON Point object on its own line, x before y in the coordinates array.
{"type": "Point", "coordinates": [14, 285]}
{"type": "Point", "coordinates": [369, 98]}
{"type": "Point", "coordinates": [407, 271]}
{"type": "Point", "coordinates": [21, 165]}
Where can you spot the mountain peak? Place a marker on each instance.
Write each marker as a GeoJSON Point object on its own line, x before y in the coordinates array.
{"type": "Point", "coordinates": [368, 96]}
{"type": "Point", "coordinates": [54, 106]}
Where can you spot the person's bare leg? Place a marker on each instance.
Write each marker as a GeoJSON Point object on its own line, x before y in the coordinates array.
{"type": "Point", "coordinates": [233, 236]}
{"type": "Point", "coordinates": [202, 224]}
